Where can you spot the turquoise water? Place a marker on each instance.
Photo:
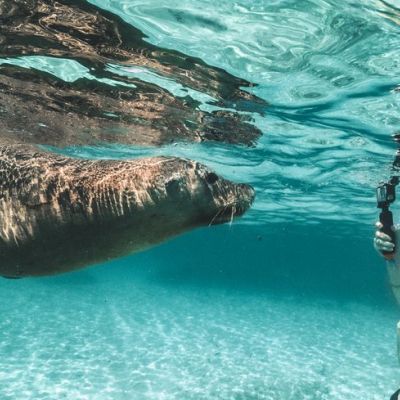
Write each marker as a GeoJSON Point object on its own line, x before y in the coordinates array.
{"type": "Point", "coordinates": [289, 302]}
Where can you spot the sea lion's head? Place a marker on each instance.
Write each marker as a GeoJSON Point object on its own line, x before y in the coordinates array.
{"type": "Point", "coordinates": [165, 196]}
{"type": "Point", "coordinates": [211, 198]}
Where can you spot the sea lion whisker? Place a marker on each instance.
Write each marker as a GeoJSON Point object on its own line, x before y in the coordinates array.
{"type": "Point", "coordinates": [233, 212]}
{"type": "Point", "coordinates": [222, 210]}
{"type": "Point", "coordinates": [216, 215]}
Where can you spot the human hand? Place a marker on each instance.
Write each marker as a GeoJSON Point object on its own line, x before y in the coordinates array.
{"type": "Point", "coordinates": [383, 242]}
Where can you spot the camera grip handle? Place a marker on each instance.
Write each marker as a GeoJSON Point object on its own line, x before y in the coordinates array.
{"type": "Point", "coordinates": [386, 219]}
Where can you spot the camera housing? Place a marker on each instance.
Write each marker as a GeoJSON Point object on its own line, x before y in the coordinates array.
{"type": "Point", "coordinates": [385, 194]}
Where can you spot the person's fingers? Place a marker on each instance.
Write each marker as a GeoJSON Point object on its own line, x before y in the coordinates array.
{"type": "Point", "coordinates": [383, 245]}
{"type": "Point", "coordinates": [383, 236]}
{"type": "Point", "coordinates": [389, 249]}
{"type": "Point", "coordinates": [378, 225]}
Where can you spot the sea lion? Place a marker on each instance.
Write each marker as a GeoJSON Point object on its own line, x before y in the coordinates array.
{"type": "Point", "coordinates": [58, 213]}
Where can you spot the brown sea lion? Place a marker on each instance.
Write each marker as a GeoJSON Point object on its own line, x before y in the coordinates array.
{"type": "Point", "coordinates": [58, 214]}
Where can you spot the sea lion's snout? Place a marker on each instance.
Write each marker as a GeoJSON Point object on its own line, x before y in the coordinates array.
{"type": "Point", "coordinates": [236, 204]}
{"type": "Point", "coordinates": [246, 195]}
{"type": "Point", "coordinates": [228, 199]}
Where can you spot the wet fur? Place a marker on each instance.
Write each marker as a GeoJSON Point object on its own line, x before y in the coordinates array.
{"type": "Point", "coordinates": [59, 213]}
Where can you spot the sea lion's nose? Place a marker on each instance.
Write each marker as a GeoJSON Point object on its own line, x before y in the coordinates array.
{"type": "Point", "coordinates": [246, 193]}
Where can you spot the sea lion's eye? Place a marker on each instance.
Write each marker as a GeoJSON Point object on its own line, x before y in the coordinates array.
{"type": "Point", "coordinates": [211, 178]}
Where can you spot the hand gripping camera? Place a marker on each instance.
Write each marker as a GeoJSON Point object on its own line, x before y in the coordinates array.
{"type": "Point", "coordinates": [386, 195]}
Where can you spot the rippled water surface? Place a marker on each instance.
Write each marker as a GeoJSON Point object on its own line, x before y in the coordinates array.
{"type": "Point", "coordinates": [329, 71]}
{"type": "Point", "coordinates": [297, 98]}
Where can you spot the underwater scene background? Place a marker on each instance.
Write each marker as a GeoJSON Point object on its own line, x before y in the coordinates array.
{"type": "Point", "coordinates": [297, 98]}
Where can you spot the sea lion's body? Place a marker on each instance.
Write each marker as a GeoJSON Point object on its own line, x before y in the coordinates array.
{"type": "Point", "coordinates": [59, 213]}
